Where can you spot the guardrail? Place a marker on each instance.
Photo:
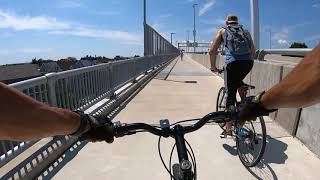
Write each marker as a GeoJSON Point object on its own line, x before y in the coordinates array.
{"type": "Point", "coordinates": [79, 89]}
{"type": "Point", "coordinates": [260, 54]}
{"type": "Point", "coordinates": [155, 44]}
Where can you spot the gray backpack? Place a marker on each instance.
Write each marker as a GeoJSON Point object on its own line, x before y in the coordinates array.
{"type": "Point", "coordinates": [237, 40]}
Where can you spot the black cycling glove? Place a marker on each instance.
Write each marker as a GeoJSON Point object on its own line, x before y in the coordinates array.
{"type": "Point", "coordinates": [251, 107]}
{"type": "Point", "coordinates": [100, 128]}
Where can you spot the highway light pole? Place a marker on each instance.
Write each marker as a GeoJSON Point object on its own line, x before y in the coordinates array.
{"type": "Point", "coordinates": [269, 30]}
{"type": "Point", "coordinates": [194, 27]}
{"type": "Point", "coordinates": [171, 36]}
{"type": "Point", "coordinates": [145, 27]}
{"type": "Point", "coordinates": [255, 22]}
{"type": "Point", "coordinates": [187, 40]}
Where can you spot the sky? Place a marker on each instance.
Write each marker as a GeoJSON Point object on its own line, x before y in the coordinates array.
{"type": "Point", "coordinates": [54, 29]}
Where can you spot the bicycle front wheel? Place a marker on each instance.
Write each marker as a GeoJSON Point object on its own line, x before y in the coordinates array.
{"type": "Point", "coordinates": [220, 106]}
{"type": "Point", "coordinates": [251, 142]}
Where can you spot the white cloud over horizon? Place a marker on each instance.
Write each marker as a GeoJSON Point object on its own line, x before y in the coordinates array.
{"type": "Point", "coordinates": [315, 37]}
{"type": "Point", "coordinates": [19, 23]}
{"type": "Point", "coordinates": [9, 20]}
{"type": "Point", "coordinates": [123, 36]}
{"type": "Point", "coordinates": [32, 50]}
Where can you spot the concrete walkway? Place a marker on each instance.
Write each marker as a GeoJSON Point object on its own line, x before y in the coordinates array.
{"type": "Point", "coordinates": [136, 157]}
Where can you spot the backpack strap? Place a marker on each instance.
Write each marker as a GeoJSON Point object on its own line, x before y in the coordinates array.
{"type": "Point", "coordinates": [224, 37]}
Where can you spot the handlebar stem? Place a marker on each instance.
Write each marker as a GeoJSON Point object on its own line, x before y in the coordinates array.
{"type": "Point", "coordinates": [180, 143]}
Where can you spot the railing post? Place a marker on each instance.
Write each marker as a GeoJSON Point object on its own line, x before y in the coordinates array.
{"type": "Point", "coordinates": [261, 55]}
{"type": "Point", "coordinates": [111, 81]}
{"type": "Point", "coordinates": [51, 80]}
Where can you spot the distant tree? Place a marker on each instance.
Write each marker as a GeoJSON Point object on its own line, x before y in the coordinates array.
{"type": "Point", "coordinates": [34, 61]}
{"type": "Point", "coordinates": [298, 45]}
{"type": "Point", "coordinates": [71, 58]}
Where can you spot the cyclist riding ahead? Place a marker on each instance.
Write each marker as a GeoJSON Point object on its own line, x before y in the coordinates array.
{"type": "Point", "coordinates": [181, 55]}
{"type": "Point", "coordinates": [239, 51]}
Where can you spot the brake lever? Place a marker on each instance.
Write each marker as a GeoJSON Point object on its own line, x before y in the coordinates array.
{"type": "Point", "coordinates": [119, 130]}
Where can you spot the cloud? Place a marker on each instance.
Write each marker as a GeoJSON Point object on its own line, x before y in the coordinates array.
{"type": "Point", "coordinates": [282, 42]}
{"type": "Point", "coordinates": [35, 50]}
{"type": "Point", "coordinates": [155, 26]}
{"type": "Point", "coordinates": [53, 26]}
{"type": "Point", "coordinates": [206, 7]}
{"type": "Point", "coordinates": [123, 36]}
{"type": "Point", "coordinates": [6, 35]}
{"type": "Point", "coordinates": [26, 51]}
{"type": "Point", "coordinates": [106, 13]}
{"type": "Point", "coordinates": [213, 30]}
{"type": "Point", "coordinates": [317, 5]}
{"type": "Point", "coordinates": [70, 4]}
{"type": "Point", "coordinates": [315, 37]}
{"type": "Point", "coordinates": [4, 52]}
{"type": "Point", "coordinates": [19, 23]}
{"type": "Point", "coordinates": [217, 21]}
{"type": "Point", "coordinates": [282, 35]}
{"type": "Point", "coordinates": [164, 16]}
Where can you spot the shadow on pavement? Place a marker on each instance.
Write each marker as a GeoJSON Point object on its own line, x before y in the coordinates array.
{"type": "Point", "coordinates": [231, 149]}
{"type": "Point", "coordinates": [274, 153]}
{"type": "Point", "coordinates": [51, 171]}
{"type": "Point", "coordinates": [194, 82]}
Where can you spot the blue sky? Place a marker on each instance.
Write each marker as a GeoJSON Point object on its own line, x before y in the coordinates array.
{"type": "Point", "coordinates": [60, 28]}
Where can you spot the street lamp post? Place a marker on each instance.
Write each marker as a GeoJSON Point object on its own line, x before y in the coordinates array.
{"type": "Point", "coordinates": [255, 25]}
{"type": "Point", "coordinates": [187, 40]}
{"type": "Point", "coordinates": [269, 30]}
{"type": "Point", "coordinates": [171, 36]}
{"type": "Point", "coordinates": [145, 28]}
{"type": "Point", "coordinates": [194, 27]}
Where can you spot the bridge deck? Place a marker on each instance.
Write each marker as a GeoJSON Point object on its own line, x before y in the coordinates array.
{"type": "Point", "coordinates": [136, 157]}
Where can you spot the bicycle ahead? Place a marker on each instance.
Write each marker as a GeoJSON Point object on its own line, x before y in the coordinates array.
{"type": "Point", "coordinates": [186, 169]}
{"type": "Point", "coordinates": [250, 136]}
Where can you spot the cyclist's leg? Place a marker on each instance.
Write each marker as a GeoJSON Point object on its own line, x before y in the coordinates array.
{"type": "Point", "coordinates": [241, 91]}
{"type": "Point", "coordinates": [245, 67]}
{"type": "Point", "coordinates": [231, 86]}
{"type": "Point", "coordinates": [236, 71]}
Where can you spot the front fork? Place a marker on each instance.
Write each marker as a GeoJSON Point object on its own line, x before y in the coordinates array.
{"type": "Point", "coordinates": [184, 172]}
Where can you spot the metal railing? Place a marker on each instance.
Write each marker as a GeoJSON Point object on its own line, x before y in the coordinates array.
{"type": "Point", "coordinates": [260, 54]}
{"type": "Point", "coordinates": [155, 44]}
{"type": "Point", "coordinates": [79, 89]}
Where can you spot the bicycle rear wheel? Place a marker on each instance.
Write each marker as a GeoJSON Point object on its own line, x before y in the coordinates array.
{"type": "Point", "coordinates": [251, 142]}
{"type": "Point", "coordinates": [220, 106]}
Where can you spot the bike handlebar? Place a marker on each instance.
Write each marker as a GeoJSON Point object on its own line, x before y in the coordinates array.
{"type": "Point", "coordinates": [128, 129]}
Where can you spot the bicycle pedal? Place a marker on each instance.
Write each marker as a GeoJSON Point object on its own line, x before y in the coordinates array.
{"type": "Point", "coordinates": [223, 136]}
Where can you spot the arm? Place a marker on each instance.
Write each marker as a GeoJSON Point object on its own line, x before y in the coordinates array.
{"type": "Point", "coordinates": [300, 88]}
{"type": "Point", "coordinates": [214, 47]}
{"type": "Point", "coordinates": [23, 118]}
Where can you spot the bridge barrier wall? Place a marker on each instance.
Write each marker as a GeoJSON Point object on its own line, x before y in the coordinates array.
{"type": "Point", "coordinates": [302, 123]}
{"type": "Point", "coordinates": [309, 128]}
